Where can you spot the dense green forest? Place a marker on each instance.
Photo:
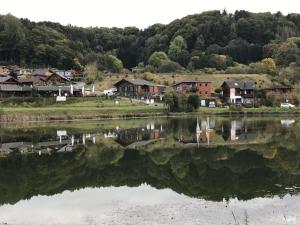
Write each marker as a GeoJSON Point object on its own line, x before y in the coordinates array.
{"type": "Point", "coordinates": [242, 42]}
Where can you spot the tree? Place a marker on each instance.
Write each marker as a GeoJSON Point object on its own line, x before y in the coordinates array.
{"type": "Point", "coordinates": [245, 37]}
{"type": "Point", "coordinates": [220, 62]}
{"type": "Point", "coordinates": [12, 37]}
{"type": "Point", "coordinates": [112, 63]}
{"type": "Point", "coordinates": [92, 74]}
{"type": "Point", "coordinates": [269, 65]}
{"type": "Point", "coordinates": [168, 66]}
{"type": "Point", "coordinates": [193, 102]}
{"type": "Point", "coordinates": [288, 52]}
{"type": "Point", "coordinates": [157, 58]}
{"type": "Point", "coordinates": [178, 51]}
{"type": "Point", "coordinates": [198, 62]}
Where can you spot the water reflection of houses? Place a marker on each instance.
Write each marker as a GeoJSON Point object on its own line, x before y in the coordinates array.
{"type": "Point", "coordinates": [204, 133]}
{"type": "Point", "coordinates": [238, 131]}
{"type": "Point", "coordinates": [208, 132]}
{"type": "Point", "coordinates": [59, 143]}
{"type": "Point", "coordinates": [137, 137]}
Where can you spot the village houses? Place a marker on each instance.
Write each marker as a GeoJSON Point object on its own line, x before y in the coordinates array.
{"type": "Point", "coordinates": [53, 82]}
{"type": "Point", "coordinates": [44, 82]}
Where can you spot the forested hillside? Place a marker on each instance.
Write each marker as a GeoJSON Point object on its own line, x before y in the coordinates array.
{"type": "Point", "coordinates": [264, 42]}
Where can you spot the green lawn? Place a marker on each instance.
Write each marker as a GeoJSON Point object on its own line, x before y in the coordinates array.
{"type": "Point", "coordinates": [87, 109]}
{"type": "Point", "coordinates": [96, 108]}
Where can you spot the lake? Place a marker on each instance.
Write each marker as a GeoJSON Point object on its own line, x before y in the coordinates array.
{"type": "Point", "coordinates": [189, 170]}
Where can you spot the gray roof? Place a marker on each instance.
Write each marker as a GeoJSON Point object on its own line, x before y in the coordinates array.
{"type": "Point", "coordinates": [56, 88]}
{"type": "Point", "coordinates": [137, 81]}
{"type": "Point", "coordinates": [6, 78]}
{"type": "Point", "coordinates": [40, 71]}
{"type": "Point", "coordinates": [242, 84]}
{"type": "Point", "coordinates": [14, 87]}
{"type": "Point", "coordinates": [25, 81]}
{"type": "Point", "coordinates": [62, 76]}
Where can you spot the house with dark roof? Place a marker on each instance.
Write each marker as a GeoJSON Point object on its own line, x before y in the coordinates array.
{"type": "Point", "coordinates": [278, 90]}
{"type": "Point", "coordinates": [238, 92]}
{"type": "Point", "coordinates": [14, 90]}
{"type": "Point", "coordinates": [45, 72]}
{"type": "Point", "coordinates": [22, 72]}
{"type": "Point", "coordinates": [203, 88]}
{"type": "Point", "coordinates": [8, 80]}
{"type": "Point", "coordinates": [56, 79]}
{"type": "Point", "coordinates": [138, 88]}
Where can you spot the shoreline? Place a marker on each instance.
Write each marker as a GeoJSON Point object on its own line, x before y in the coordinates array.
{"type": "Point", "coordinates": [60, 114]}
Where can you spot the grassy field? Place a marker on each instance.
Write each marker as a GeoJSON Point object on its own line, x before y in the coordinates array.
{"type": "Point", "coordinates": [97, 108]}
{"type": "Point", "coordinates": [87, 109]}
{"type": "Point", "coordinates": [262, 80]}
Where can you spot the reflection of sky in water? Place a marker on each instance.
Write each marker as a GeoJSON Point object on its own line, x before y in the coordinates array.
{"type": "Point", "coordinates": [146, 205]}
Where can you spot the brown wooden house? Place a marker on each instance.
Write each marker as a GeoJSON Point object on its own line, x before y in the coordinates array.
{"type": "Point", "coordinates": [278, 90]}
{"type": "Point", "coordinates": [203, 88]}
{"type": "Point", "coordinates": [8, 80]}
{"type": "Point", "coordinates": [14, 90]}
{"type": "Point", "coordinates": [56, 79]}
{"type": "Point", "coordinates": [137, 88]}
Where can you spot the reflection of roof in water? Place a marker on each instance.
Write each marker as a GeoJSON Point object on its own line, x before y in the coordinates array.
{"type": "Point", "coordinates": [139, 144]}
{"type": "Point", "coordinates": [29, 144]}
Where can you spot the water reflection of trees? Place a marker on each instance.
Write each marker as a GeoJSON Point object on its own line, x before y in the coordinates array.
{"type": "Point", "coordinates": [267, 165]}
{"type": "Point", "coordinates": [213, 174]}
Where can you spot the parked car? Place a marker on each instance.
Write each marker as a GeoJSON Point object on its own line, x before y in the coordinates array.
{"type": "Point", "coordinates": [212, 105]}
{"type": "Point", "coordinates": [287, 105]}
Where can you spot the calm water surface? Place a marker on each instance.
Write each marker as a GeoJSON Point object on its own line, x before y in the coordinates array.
{"type": "Point", "coordinates": [206, 170]}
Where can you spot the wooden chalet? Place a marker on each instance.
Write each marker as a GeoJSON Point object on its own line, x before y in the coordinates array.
{"type": "Point", "coordinates": [203, 88]}
{"type": "Point", "coordinates": [138, 88]}
{"type": "Point", "coordinates": [238, 92]}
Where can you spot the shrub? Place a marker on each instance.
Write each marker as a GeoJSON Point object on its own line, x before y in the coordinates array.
{"type": "Point", "coordinates": [193, 102]}
{"type": "Point", "coordinates": [148, 76]}
{"type": "Point", "coordinates": [296, 100]}
{"type": "Point", "coordinates": [169, 66]}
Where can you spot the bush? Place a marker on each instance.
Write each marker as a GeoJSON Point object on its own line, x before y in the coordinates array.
{"type": "Point", "coordinates": [182, 103]}
{"type": "Point", "coordinates": [157, 58]}
{"type": "Point", "coordinates": [169, 66]}
{"type": "Point", "coordinates": [236, 108]}
{"type": "Point", "coordinates": [296, 100]}
{"type": "Point", "coordinates": [193, 102]}
{"type": "Point", "coordinates": [148, 76]}
{"type": "Point", "coordinates": [238, 69]}
{"type": "Point", "coordinates": [171, 101]}
{"type": "Point", "coordinates": [210, 70]}
{"type": "Point", "coordinates": [271, 101]}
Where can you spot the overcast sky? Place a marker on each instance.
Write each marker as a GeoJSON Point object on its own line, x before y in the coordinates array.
{"type": "Point", "coordinates": [139, 13]}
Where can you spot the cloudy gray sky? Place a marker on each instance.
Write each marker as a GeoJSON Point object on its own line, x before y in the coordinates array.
{"type": "Point", "coordinates": [139, 13]}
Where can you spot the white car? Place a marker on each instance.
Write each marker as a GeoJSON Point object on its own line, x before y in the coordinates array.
{"type": "Point", "coordinates": [212, 105]}
{"type": "Point", "coordinates": [287, 105]}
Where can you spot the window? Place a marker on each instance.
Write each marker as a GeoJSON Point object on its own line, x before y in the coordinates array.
{"type": "Point", "coordinates": [200, 92]}
{"type": "Point", "coordinates": [200, 85]}
{"type": "Point", "coordinates": [205, 85]}
{"type": "Point", "coordinates": [206, 92]}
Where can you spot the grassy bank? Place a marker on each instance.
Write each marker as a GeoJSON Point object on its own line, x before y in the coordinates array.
{"type": "Point", "coordinates": [127, 109]}
{"type": "Point", "coordinates": [77, 111]}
